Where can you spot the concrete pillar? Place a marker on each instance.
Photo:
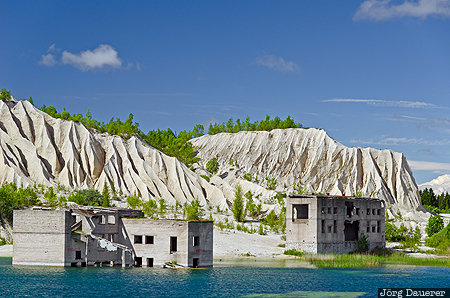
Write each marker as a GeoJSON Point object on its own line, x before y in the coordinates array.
{"type": "Point", "coordinates": [123, 258]}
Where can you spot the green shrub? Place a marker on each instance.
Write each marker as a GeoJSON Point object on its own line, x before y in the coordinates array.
{"type": "Point", "coordinates": [408, 238]}
{"type": "Point", "coordinates": [12, 198]}
{"type": "Point", "coordinates": [271, 183]}
{"type": "Point", "coordinates": [362, 244]}
{"type": "Point", "coordinates": [267, 124]}
{"type": "Point", "coordinates": [5, 95]}
{"type": "Point", "coordinates": [435, 224]}
{"type": "Point", "coordinates": [440, 241]}
{"type": "Point", "coordinates": [248, 177]}
{"type": "Point", "coordinates": [50, 197]}
{"type": "Point", "coordinates": [293, 252]}
{"type": "Point", "coordinates": [261, 230]}
{"type": "Point", "coordinates": [212, 166]}
{"type": "Point", "coordinates": [280, 198]}
{"type": "Point", "coordinates": [2, 241]}
{"type": "Point", "coordinates": [412, 239]}
{"type": "Point", "coordinates": [134, 202]}
{"type": "Point", "coordinates": [277, 223]}
{"type": "Point", "coordinates": [299, 189]}
{"type": "Point", "coordinates": [205, 177]}
{"type": "Point", "coordinates": [86, 197]}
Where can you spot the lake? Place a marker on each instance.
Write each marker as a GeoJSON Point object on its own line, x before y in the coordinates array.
{"type": "Point", "coordinates": [233, 278]}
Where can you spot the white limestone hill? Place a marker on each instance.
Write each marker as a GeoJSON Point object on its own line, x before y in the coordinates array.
{"type": "Point", "coordinates": [311, 158]}
{"type": "Point", "coordinates": [36, 148]}
{"type": "Point", "coordinates": [439, 185]}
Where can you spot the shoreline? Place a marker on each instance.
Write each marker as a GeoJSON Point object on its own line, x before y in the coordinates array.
{"type": "Point", "coordinates": [6, 250]}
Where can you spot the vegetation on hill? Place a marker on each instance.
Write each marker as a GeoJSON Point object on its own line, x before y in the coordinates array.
{"type": "Point", "coordinates": [440, 241]}
{"type": "Point", "coordinates": [5, 95]}
{"type": "Point", "coordinates": [435, 203]}
{"type": "Point", "coordinates": [13, 197]}
{"type": "Point", "coordinates": [263, 125]}
{"type": "Point", "coordinates": [166, 141]}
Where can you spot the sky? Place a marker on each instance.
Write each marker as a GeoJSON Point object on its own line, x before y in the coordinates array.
{"type": "Point", "coordinates": [372, 73]}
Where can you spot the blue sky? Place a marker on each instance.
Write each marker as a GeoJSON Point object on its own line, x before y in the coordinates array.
{"type": "Point", "coordinates": [371, 73]}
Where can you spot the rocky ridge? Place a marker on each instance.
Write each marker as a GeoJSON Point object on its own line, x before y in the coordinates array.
{"type": "Point", "coordinates": [310, 158]}
{"type": "Point", "coordinates": [36, 148]}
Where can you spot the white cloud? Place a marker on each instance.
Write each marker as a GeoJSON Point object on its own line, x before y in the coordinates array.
{"type": "Point", "coordinates": [48, 60]}
{"type": "Point", "coordinates": [103, 56]}
{"type": "Point", "coordinates": [277, 63]}
{"type": "Point", "coordinates": [392, 141]}
{"type": "Point", "coordinates": [400, 117]}
{"type": "Point", "coordinates": [385, 103]}
{"type": "Point", "coordinates": [428, 165]}
{"type": "Point", "coordinates": [378, 10]}
{"type": "Point", "coordinates": [52, 48]}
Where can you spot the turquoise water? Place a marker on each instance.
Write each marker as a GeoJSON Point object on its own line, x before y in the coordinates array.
{"type": "Point", "coordinates": [241, 280]}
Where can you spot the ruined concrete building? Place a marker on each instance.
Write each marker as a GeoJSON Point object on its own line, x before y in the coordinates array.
{"type": "Point", "coordinates": [333, 224]}
{"type": "Point", "coordinates": [86, 236]}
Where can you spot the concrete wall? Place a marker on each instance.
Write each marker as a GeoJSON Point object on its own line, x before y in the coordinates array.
{"type": "Point", "coordinates": [40, 237]}
{"type": "Point", "coordinates": [44, 237]}
{"type": "Point", "coordinates": [105, 225]}
{"type": "Point", "coordinates": [162, 231]}
{"type": "Point", "coordinates": [329, 215]}
{"type": "Point", "coordinates": [301, 234]}
{"type": "Point", "coordinates": [204, 249]}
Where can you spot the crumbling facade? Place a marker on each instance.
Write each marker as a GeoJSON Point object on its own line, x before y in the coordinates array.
{"type": "Point", "coordinates": [333, 224]}
{"type": "Point", "coordinates": [96, 236]}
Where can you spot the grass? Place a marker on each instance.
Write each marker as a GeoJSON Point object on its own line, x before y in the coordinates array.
{"type": "Point", "coordinates": [440, 241]}
{"type": "Point", "coordinates": [366, 260]}
{"type": "Point", "coordinates": [293, 252]}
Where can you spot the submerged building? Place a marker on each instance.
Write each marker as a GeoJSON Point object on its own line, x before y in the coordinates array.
{"type": "Point", "coordinates": [333, 224]}
{"type": "Point", "coordinates": [96, 236]}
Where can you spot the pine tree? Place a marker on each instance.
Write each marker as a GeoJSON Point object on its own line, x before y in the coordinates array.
{"type": "Point", "coordinates": [105, 194]}
{"type": "Point", "coordinates": [238, 204]}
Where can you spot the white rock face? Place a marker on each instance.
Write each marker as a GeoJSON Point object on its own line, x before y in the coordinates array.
{"type": "Point", "coordinates": [35, 148]}
{"type": "Point", "coordinates": [310, 157]}
{"type": "Point", "coordinates": [439, 185]}
{"type": "Point", "coordinates": [38, 149]}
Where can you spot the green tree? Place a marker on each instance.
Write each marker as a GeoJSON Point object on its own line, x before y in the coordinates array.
{"type": "Point", "coordinates": [212, 166]}
{"type": "Point", "coordinates": [51, 198]}
{"type": "Point", "coordinates": [91, 197]}
{"type": "Point", "coordinates": [238, 204]}
{"type": "Point", "coordinates": [162, 207]}
{"type": "Point", "coordinates": [193, 211]}
{"type": "Point", "coordinates": [12, 198]}
{"type": "Point", "coordinates": [150, 208]}
{"type": "Point", "coordinates": [106, 202]}
{"type": "Point", "coordinates": [134, 202]}
{"type": "Point", "coordinates": [435, 224]}
{"type": "Point", "coordinates": [5, 95]}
